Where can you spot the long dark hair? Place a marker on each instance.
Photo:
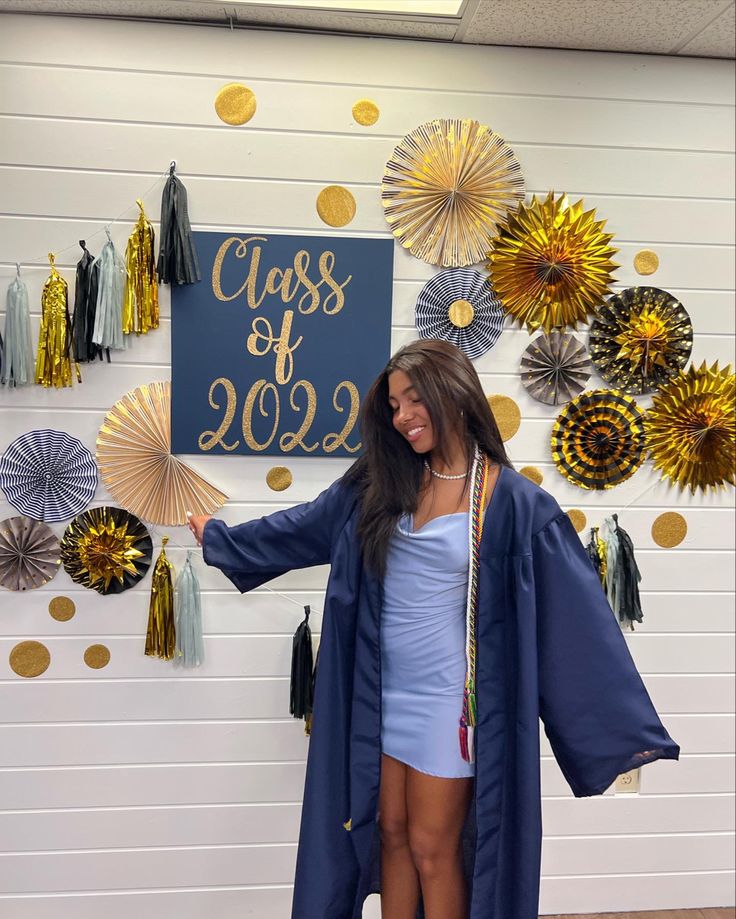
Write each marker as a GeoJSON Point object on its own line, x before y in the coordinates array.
{"type": "Point", "coordinates": [389, 472]}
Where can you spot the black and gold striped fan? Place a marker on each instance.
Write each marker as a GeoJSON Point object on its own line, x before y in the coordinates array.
{"type": "Point", "coordinates": [598, 439]}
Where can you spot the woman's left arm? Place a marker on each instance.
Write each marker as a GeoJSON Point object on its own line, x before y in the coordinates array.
{"type": "Point", "coordinates": [596, 710]}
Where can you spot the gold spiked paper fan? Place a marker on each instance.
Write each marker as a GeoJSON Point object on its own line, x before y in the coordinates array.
{"type": "Point", "coordinates": [137, 466]}
{"type": "Point", "coordinates": [446, 187]}
{"type": "Point", "coordinates": [551, 263]}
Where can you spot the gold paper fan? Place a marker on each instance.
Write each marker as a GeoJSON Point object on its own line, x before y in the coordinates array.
{"type": "Point", "coordinates": [551, 263]}
{"type": "Point", "coordinates": [690, 429]}
{"type": "Point", "coordinates": [447, 185]}
{"type": "Point", "coordinates": [136, 464]}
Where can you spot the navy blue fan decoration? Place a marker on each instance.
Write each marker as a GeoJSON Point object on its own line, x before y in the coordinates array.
{"type": "Point", "coordinates": [48, 475]}
{"type": "Point", "coordinates": [460, 306]}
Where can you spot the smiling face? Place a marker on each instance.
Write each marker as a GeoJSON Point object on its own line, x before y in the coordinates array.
{"type": "Point", "coordinates": [410, 416]}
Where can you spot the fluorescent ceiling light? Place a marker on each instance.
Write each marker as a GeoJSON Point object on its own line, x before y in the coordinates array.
{"type": "Point", "coordinates": [405, 7]}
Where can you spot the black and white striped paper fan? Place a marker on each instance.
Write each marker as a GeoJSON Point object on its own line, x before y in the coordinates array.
{"type": "Point", "coordinates": [48, 475]}
{"type": "Point", "coordinates": [460, 306]}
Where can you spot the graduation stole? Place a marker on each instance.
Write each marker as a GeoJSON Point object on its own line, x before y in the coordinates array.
{"type": "Point", "coordinates": [478, 489]}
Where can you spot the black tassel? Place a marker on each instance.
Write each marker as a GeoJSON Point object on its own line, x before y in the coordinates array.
{"type": "Point", "coordinates": [177, 257]}
{"type": "Point", "coordinates": [625, 578]}
{"type": "Point", "coordinates": [301, 689]}
{"type": "Point", "coordinates": [85, 308]}
{"type": "Point", "coordinates": [594, 553]}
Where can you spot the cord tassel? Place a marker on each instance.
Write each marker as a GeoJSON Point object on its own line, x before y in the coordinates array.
{"type": "Point", "coordinates": [188, 618]}
{"type": "Point", "coordinates": [302, 664]}
{"type": "Point", "coordinates": [160, 634]}
{"type": "Point", "coordinates": [18, 364]}
{"type": "Point", "coordinates": [177, 256]}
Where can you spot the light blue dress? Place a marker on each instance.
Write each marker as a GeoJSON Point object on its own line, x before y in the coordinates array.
{"type": "Point", "coordinates": [423, 645]}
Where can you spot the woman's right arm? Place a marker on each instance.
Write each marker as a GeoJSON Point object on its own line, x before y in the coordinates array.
{"type": "Point", "coordinates": [299, 537]}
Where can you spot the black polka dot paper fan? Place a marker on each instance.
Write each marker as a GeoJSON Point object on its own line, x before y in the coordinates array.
{"type": "Point", "coordinates": [460, 306]}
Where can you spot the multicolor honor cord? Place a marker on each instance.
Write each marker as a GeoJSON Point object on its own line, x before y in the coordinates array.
{"type": "Point", "coordinates": [468, 718]}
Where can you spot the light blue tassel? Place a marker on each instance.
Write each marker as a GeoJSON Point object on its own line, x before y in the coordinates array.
{"type": "Point", "coordinates": [18, 364]}
{"type": "Point", "coordinates": [188, 618]}
{"type": "Point", "coordinates": [108, 331]}
{"type": "Point", "coordinates": [612, 586]}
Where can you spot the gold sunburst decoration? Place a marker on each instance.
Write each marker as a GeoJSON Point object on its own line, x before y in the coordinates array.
{"type": "Point", "coordinates": [640, 338]}
{"type": "Point", "coordinates": [137, 466]}
{"type": "Point", "coordinates": [447, 186]}
{"type": "Point", "coordinates": [690, 429]}
{"type": "Point", "coordinates": [551, 263]}
{"type": "Point", "coordinates": [106, 549]}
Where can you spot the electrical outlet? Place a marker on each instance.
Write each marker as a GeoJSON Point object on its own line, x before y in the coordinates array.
{"type": "Point", "coordinates": [628, 783]}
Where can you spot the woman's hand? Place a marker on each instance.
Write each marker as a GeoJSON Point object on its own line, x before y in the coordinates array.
{"type": "Point", "coordinates": [196, 525]}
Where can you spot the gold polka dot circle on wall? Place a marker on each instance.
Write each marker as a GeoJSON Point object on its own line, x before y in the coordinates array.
{"type": "Point", "coordinates": [507, 415]}
{"type": "Point", "coordinates": [366, 112]}
{"type": "Point", "coordinates": [235, 104]}
{"type": "Point", "coordinates": [336, 206]}
{"type": "Point", "coordinates": [669, 529]}
{"type": "Point", "coordinates": [461, 313]}
{"type": "Point", "coordinates": [62, 608]}
{"type": "Point", "coordinates": [577, 518]}
{"type": "Point", "coordinates": [29, 659]}
{"type": "Point", "coordinates": [533, 473]}
{"type": "Point", "coordinates": [279, 478]}
{"type": "Point", "coordinates": [646, 262]}
{"type": "Point", "coordinates": [97, 656]}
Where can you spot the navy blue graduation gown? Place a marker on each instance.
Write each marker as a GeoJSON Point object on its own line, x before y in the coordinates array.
{"type": "Point", "coordinates": [547, 646]}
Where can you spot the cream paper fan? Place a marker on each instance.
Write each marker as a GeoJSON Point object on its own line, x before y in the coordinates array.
{"type": "Point", "coordinates": [137, 466]}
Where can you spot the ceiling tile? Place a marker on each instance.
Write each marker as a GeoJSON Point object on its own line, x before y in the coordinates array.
{"type": "Point", "coordinates": [653, 26]}
{"type": "Point", "coordinates": [716, 40]}
{"type": "Point", "coordinates": [324, 20]}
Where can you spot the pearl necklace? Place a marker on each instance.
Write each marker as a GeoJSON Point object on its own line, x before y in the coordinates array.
{"type": "Point", "coordinates": [441, 475]}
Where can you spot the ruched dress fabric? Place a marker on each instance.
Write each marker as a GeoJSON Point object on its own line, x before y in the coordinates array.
{"type": "Point", "coordinates": [423, 645]}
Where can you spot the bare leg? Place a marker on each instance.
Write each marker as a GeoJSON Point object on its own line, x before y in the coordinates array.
{"type": "Point", "coordinates": [437, 809]}
{"type": "Point", "coordinates": [399, 878]}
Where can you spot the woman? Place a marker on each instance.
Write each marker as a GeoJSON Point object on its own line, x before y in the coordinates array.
{"type": "Point", "coordinates": [460, 608]}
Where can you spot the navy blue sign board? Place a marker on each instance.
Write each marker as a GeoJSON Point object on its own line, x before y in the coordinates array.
{"type": "Point", "coordinates": [274, 349]}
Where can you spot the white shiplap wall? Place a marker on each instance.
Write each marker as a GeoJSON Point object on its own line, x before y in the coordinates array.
{"type": "Point", "coordinates": [139, 790]}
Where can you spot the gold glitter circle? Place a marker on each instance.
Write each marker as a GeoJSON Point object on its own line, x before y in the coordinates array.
{"type": "Point", "coordinates": [30, 658]}
{"type": "Point", "coordinates": [336, 206]}
{"type": "Point", "coordinates": [279, 478]}
{"type": "Point", "coordinates": [62, 608]}
{"type": "Point", "coordinates": [532, 473]}
{"type": "Point", "coordinates": [461, 313]}
{"type": "Point", "coordinates": [97, 656]}
{"type": "Point", "coordinates": [578, 518]}
{"type": "Point", "coordinates": [366, 112]}
{"type": "Point", "coordinates": [507, 415]}
{"type": "Point", "coordinates": [646, 262]}
{"type": "Point", "coordinates": [669, 529]}
{"type": "Point", "coordinates": [235, 103]}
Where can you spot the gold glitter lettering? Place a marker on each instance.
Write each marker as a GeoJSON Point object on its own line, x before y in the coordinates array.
{"type": "Point", "coordinates": [209, 439]}
{"type": "Point", "coordinates": [326, 264]}
{"type": "Point", "coordinates": [263, 332]}
{"type": "Point", "coordinates": [250, 282]}
{"type": "Point", "coordinates": [301, 264]}
{"type": "Point", "coordinates": [288, 441]}
{"type": "Point", "coordinates": [259, 389]}
{"type": "Point", "coordinates": [332, 441]}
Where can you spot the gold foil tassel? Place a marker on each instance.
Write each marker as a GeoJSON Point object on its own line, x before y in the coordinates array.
{"type": "Point", "coordinates": [140, 302]}
{"type": "Point", "coordinates": [54, 358]}
{"type": "Point", "coordinates": [161, 633]}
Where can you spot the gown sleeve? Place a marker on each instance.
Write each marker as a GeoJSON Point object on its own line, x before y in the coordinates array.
{"type": "Point", "coordinates": [257, 551]}
{"type": "Point", "coordinates": [595, 708]}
